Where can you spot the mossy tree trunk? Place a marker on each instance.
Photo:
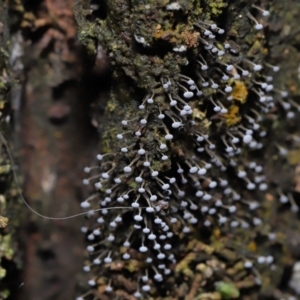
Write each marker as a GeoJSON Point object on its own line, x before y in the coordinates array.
{"type": "Point", "coordinates": [58, 80]}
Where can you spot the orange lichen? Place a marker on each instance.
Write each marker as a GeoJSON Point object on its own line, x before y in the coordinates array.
{"type": "Point", "coordinates": [217, 233]}
{"type": "Point", "coordinates": [191, 39]}
{"type": "Point", "coordinates": [252, 246]}
{"type": "Point", "coordinates": [232, 117]}
{"type": "Point", "coordinates": [239, 92]}
{"type": "Point", "coordinates": [158, 32]}
{"type": "Point", "coordinates": [187, 37]}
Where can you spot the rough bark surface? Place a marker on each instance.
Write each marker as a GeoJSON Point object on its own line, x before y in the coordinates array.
{"type": "Point", "coordinates": [55, 139]}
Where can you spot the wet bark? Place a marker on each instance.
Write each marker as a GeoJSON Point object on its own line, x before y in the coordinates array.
{"type": "Point", "coordinates": [55, 138]}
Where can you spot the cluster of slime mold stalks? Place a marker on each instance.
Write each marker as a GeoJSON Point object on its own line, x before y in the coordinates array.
{"type": "Point", "coordinates": [182, 158]}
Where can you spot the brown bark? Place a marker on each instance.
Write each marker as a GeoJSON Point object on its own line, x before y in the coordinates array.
{"type": "Point", "coordinates": [56, 139]}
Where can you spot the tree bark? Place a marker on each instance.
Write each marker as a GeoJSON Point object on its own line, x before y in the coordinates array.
{"type": "Point", "coordinates": [56, 141]}
{"type": "Point", "coordinates": [59, 86]}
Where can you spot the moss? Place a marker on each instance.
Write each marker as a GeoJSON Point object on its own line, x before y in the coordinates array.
{"type": "Point", "coordinates": [9, 206]}
{"type": "Point", "coordinates": [227, 290]}
{"type": "Point", "coordinates": [140, 41]}
{"type": "Point", "coordinates": [217, 6]}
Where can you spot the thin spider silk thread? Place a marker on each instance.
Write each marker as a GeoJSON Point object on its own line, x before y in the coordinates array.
{"type": "Point", "coordinates": [3, 140]}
